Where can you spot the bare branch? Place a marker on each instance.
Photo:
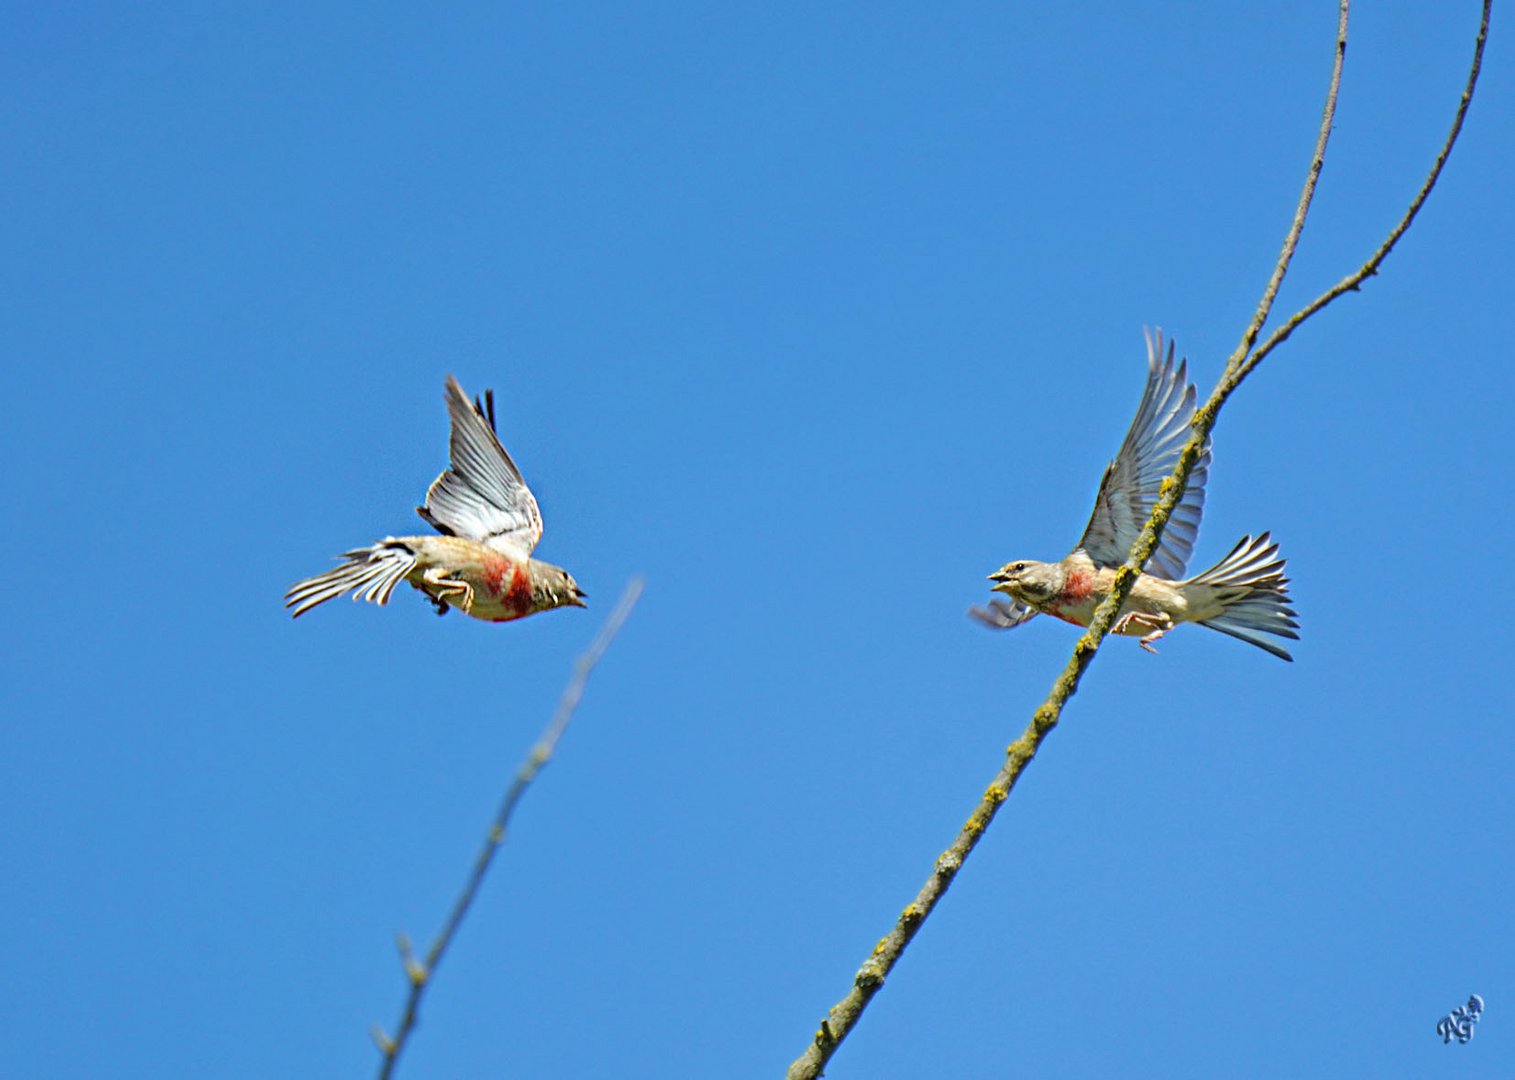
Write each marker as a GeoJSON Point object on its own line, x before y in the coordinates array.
{"type": "Point", "coordinates": [1353, 281]}
{"type": "Point", "coordinates": [1317, 162]}
{"type": "Point", "coordinates": [844, 1016]}
{"type": "Point", "coordinates": [419, 972]}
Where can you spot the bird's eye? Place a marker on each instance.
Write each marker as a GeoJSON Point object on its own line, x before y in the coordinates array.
{"type": "Point", "coordinates": [1019, 567]}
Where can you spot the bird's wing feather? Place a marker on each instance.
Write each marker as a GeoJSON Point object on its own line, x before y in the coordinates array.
{"type": "Point", "coordinates": [482, 495]}
{"type": "Point", "coordinates": [1134, 479]}
{"type": "Point", "coordinates": [1001, 614]}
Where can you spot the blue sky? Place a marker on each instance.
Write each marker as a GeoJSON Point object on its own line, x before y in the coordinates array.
{"type": "Point", "coordinates": [814, 314]}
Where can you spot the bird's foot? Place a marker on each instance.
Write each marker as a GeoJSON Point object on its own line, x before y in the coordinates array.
{"type": "Point", "coordinates": [1147, 641]}
{"type": "Point", "coordinates": [1159, 624]}
{"type": "Point", "coordinates": [446, 588]}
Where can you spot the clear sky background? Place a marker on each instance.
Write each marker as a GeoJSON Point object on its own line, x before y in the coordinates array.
{"type": "Point", "coordinates": [814, 314]}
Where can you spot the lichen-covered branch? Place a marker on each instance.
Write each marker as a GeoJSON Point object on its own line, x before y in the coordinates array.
{"type": "Point", "coordinates": [843, 1016]}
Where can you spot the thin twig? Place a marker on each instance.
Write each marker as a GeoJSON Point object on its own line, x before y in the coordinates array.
{"type": "Point", "coordinates": [1353, 281]}
{"type": "Point", "coordinates": [1302, 209]}
{"type": "Point", "coordinates": [844, 1016]}
{"type": "Point", "coordinates": [419, 972]}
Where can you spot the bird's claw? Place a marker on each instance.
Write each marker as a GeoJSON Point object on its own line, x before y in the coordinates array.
{"type": "Point", "coordinates": [446, 587]}
{"type": "Point", "coordinates": [1159, 624]}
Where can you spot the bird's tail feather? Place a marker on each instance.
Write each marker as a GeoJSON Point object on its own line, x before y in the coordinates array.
{"type": "Point", "coordinates": [1251, 587]}
{"type": "Point", "coordinates": [370, 573]}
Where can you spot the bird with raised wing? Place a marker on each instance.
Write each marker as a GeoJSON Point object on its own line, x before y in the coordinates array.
{"type": "Point", "coordinates": [489, 523]}
{"type": "Point", "coordinates": [1245, 595]}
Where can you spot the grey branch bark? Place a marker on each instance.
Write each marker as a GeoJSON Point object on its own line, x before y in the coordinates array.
{"type": "Point", "coordinates": [418, 972]}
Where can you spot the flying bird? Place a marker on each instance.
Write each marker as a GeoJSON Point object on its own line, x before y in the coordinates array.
{"type": "Point", "coordinates": [1245, 595]}
{"type": "Point", "coordinates": [489, 522]}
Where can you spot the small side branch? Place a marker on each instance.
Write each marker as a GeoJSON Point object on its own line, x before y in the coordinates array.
{"type": "Point", "coordinates": [418, 972]}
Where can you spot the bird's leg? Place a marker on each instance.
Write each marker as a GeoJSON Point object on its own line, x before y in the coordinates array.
{"type": "Point", "coordinates": [1147, 641]}
{"type": "Point", "coordinates": [447, 587]}
{"type": "Point", "coordinates": [1158, 622]}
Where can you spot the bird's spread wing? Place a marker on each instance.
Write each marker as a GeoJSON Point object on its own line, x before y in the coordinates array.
{"type": "Point", "coordinates": [482, 495]}
{"type": "Point", "coordinates": [1001, 614]}
{"type": "Point", "coordinates": [1132, 481]}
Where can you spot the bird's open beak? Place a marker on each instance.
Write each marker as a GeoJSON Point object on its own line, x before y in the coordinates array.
{"type": "Point", "coordinates": [1003, 586]}
{"type": "Point", "coordinates": [578, 597]}
{"type": "Point", "coordinates": [1000, 575]}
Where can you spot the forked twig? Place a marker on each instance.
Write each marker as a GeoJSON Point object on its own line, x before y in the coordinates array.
{"type": "Point", "coordinates": [419, 972]}
{"type": "Point", "coordinates": [844, 1016]}
{"type": "Point", "coordinates": [1353, 281]}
